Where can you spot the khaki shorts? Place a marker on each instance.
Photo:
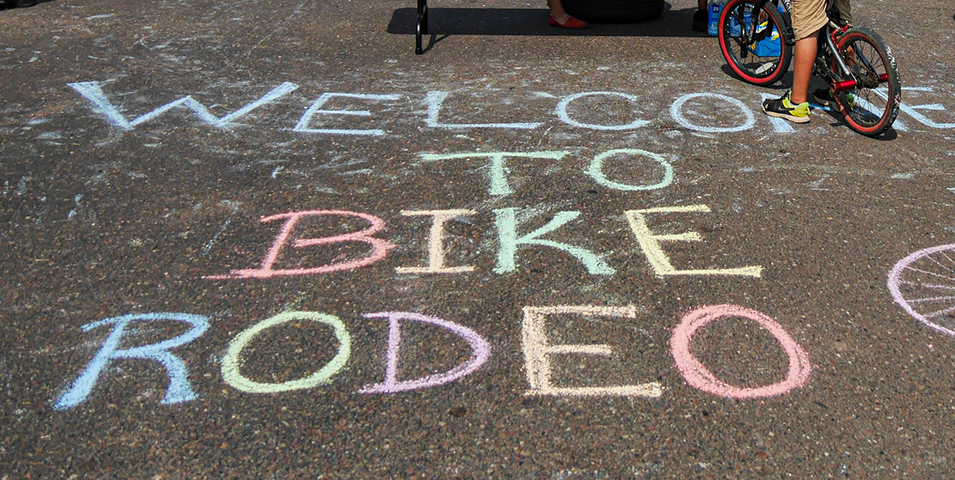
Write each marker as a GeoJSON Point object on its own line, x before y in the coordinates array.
{"type": "Point", "coordinates": [810, 15]}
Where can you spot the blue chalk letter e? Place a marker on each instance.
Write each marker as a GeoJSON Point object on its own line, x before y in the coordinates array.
{"type": "Point", "coordinates": [179, 389]}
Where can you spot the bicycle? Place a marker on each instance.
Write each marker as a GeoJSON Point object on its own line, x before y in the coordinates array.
{"type": "Point", "coordinates": [857, 64]}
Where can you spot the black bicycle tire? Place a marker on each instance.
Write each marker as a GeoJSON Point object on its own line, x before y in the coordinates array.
{"type": "Point", "coordinates": [614, 11]}
{"type": "Point", "coordinates": [893, 97]}
{"type": "Point", "coordinates": [746, 74]}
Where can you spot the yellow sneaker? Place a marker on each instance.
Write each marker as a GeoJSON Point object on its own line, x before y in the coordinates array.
{"type": "Point", "coordinates": [782, 107]}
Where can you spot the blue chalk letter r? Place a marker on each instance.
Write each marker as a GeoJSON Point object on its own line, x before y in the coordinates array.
{"type": "Point", "coordinates": [179, 389]}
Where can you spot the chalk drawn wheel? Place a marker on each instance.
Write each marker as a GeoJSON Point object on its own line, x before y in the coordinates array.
{"type": "Point", "coordinates": [614, 11]}
{"type": "Point", "coordinates": [923, 283]}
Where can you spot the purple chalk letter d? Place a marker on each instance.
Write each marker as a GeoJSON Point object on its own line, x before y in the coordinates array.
{"type": "Point", "coordinates": [481, 351]}
{"type": "Point", "coordinates": [179, 389]}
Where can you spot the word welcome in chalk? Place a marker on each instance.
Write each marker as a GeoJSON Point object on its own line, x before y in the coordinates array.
{"type": "Point", "coordinates": [537, 348]}
{"type": "Point", "coordinates": [509, 239]}
{"type": "Point", "coordinates": [435, 101]}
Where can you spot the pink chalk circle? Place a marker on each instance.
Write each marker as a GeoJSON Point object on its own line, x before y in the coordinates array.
{"type": "Point", "coordinates": [698, 376]}
{"type": "Point", "coordinates": [923, 283]}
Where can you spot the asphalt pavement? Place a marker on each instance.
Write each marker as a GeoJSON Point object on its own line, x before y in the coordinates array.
{"type": "Point", "coordinates": [266, 240]}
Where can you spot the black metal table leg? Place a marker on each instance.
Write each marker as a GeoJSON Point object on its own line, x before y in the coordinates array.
{"type": "Point", "coordinates": [422, 26]}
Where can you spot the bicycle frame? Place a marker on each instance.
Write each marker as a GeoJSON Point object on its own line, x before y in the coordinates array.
{"type": "Point", "coordinates": [823, 56]}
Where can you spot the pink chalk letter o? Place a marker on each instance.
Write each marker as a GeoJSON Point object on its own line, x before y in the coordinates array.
{"type": "Point", "coordinates": [698, 376]}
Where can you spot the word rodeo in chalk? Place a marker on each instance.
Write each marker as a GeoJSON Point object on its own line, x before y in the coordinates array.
{"type": "Point", "coordinates": [537, 348]}
{"type": "Point", "coordinates": [340, 107]}
{"type": "Point", "coordinates": [509, 239]}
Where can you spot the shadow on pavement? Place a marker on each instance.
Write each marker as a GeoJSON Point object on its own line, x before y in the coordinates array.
{"type": "Point", "coordinates": [528, 21]}
{"type": "Point", "coordinates": [10, 4]}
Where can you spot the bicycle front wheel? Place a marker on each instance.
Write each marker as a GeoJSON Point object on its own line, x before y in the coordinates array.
{"type": "Point", "coordinates": [872, 105]}
{"type": "Point", "coordinates": [759, 57]}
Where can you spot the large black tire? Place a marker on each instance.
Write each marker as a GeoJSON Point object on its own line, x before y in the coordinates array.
{"type": "Point", "coordinates": [614, 11]}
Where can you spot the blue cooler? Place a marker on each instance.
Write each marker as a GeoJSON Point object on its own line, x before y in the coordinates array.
{"type": "Point", "coordinates": [769, 47]}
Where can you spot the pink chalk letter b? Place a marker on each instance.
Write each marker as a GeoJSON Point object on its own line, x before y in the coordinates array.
{"type": "Point", "coordinates": [379, 247]}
